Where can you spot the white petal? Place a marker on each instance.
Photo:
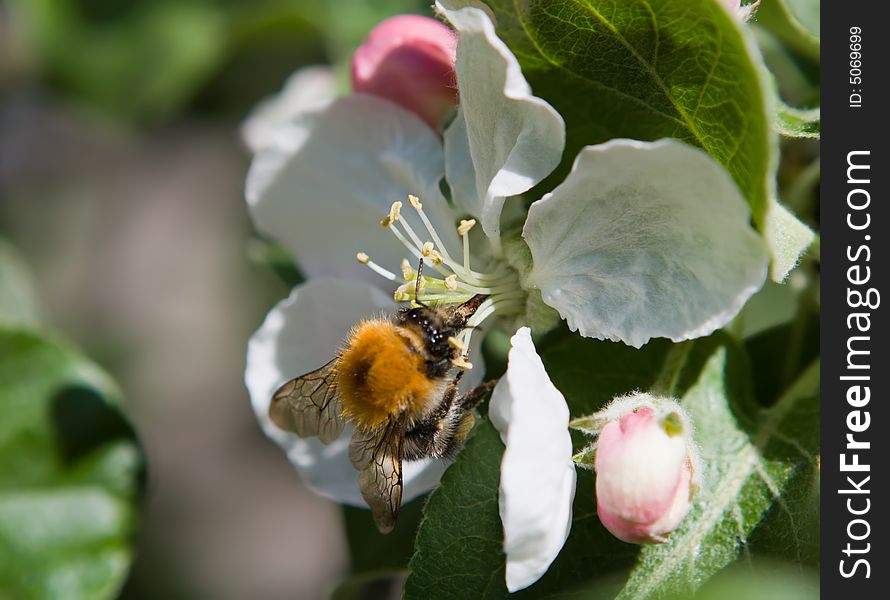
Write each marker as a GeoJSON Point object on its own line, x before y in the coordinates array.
{"type": "Point", "coordinates": [537, 474]}
{"type": "Point", "coordinates": [514, 138]}
{"type": "Point", "coordinates": [332, 175]}
{"type": "Point", "coordinates": [459, 170]}
{"type": "Point", "coordinates": [308, 88]}
{"type": "Point", "coordinates": [300, 334]}
{"type": "Point", "coordinates": [645, 240]}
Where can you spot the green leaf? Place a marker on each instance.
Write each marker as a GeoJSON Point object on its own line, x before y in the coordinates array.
{"type": "Point", "coordinates": [795, 22]}
{"type": "Point", "coordinates": [767, 580]}
{"type": "Point", "coordinates": [753, 464]}
{"type": "Point", "coordinates": [622, 68]}
{"type": "Point", "coordinates": [790, 531]}
{"type": "Point", "coordinates": [18, 302]}
{"type": "Point", "coordinates": [796, 123]}
{"type": "Point", "coordinates": [459, 545]}
{"type": "Point", "coordinates": [70, 473]}
{"type": "Point", "coordinates": [775, 304]}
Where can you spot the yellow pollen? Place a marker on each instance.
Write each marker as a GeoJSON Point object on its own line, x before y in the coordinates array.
{"type": "Point", "coordinates": [462, 363]}
{"type": "Point", "coordinates": [465, 226]}
{"type": "Point", "coordinates": [415, 201]}
{"type": "Point", "coordinates": [455, 343]}
{"type": "Point", "coordinates": [362, 258]}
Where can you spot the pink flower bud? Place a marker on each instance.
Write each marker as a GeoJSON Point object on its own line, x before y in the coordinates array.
{"type": "Point", "coordinates": [645, 468]}
{"type": "Point", "coordinates": [409, 60]}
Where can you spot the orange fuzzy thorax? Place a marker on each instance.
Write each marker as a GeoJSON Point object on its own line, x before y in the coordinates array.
{"type": "Point", "coordinates": [381, 374]}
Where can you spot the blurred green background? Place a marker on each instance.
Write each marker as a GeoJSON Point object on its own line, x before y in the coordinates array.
{"type": "Point", "coordinates": [121, 180]}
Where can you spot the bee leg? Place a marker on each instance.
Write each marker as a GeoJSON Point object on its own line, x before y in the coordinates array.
{"type": "Point", "coordinates": [430, 437]}
{"type": "Point", "coordinates": [473, 397]}
{"type": "Point", "coordinates": [445, 431]}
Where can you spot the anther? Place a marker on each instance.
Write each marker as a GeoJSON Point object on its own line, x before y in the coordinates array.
{"type": "Point", "coordinates": [415, 201]}
{"type": "Point", "coordinates": [435, 257]}
{"type": "Point", "coordinates": [462, 363]}
{"type": "Point", "coordinates": [427, 249]}
{"type": "Point", "coordinates": [394, 211]}
{"type": "Point", "coordinates": [364, 259]}
{"type": "Point", "coordinates": [407, 270]}
{"type": "Point", "coordinates": [465, 226]}
{"type": "Point", "coordinates": [451, 282]}
{"type": "Point", "coordinates": [456, 343]}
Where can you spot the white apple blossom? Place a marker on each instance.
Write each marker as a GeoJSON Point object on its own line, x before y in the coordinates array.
{"type": "Point", "coordinates": [641, 240]}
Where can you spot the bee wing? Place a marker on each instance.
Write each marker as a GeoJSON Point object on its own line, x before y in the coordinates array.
{"type": "Point", "coordinates": [378, 455]}
{"type": "Point", "coordinates": [310, 405]}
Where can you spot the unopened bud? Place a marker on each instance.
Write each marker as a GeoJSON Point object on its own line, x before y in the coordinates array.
{"type": "Point", "coordinates": [646, 467]}
{"type": "Point", "coordinates": [409, 60]}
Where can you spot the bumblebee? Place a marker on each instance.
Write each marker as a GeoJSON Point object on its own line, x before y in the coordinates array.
{"type": "Point", "coordinates": [396, 382]}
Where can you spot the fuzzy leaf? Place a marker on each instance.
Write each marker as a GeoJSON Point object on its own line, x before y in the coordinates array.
{"type": "Point", "coordinates": [796, 123]}
{"type": "Point", "coordinates": [622, 68]}
{"type": "Point", "coordinates": [788, 239]}
{"type": "Point", "coordinates": [70, 473]}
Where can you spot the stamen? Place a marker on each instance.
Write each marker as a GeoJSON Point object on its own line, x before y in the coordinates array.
{"type": "Point", "coordinates": [394, 211]}
{"type": "Point", "coordinates": [465, 226]}
{"type": "Point", "coordinates": [455, 284]}
{"type": "Point", "coordinates": [464, 229]}
{"type": "Point", "coordinates": [429, 251]}
{"type": "Point", "coordinates": [415, 202]}
{"type": "Point", "coordinates": [463, 271]}
{"type": "Point", "coordinates": [364, 259]}
{"type": "Point", "coordinates": [410, 231]}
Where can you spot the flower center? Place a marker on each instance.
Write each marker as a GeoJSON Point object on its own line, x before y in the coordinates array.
{"type": "Point", "coordinates": [456, 282]}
